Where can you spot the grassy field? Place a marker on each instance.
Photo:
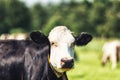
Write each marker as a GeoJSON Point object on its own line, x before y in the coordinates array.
{"type": "Point", "coordinates": [88, 66]}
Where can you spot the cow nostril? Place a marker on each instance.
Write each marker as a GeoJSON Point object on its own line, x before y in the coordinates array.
{"type": "Point", "coordinates": [65, 60]}
{"type": "Point", "coordinates": [67, 63]}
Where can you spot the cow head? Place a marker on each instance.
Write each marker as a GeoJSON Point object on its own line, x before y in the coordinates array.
{"type": "Point", "coordinates": [62, 44]}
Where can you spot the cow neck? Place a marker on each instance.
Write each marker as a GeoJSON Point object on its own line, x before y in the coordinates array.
{"type": "Point", "coordinates": [58, 74]}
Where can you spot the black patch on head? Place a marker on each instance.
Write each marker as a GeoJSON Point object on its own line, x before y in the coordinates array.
{"type": "Point", "coordinates": [39, 37]}
{"type": "Point", "coordinates": [83, 39]}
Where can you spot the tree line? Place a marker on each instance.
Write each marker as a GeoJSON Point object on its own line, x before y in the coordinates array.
{"type": "Point", "coordinates": [101, 18]}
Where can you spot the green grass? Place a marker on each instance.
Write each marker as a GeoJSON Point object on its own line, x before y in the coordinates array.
{"type": "Point", "coordinates": [88, 66]}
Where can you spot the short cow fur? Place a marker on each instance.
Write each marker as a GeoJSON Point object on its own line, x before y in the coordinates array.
{"type": "Point", "coordinates": [29, 59]}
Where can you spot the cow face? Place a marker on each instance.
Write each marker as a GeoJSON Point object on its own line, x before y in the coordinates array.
{"type": "Point", "coordinates": [62, 44]}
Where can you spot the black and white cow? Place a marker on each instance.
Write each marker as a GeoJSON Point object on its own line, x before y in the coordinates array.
{"type": "Point", "coordinates": [42, 58]}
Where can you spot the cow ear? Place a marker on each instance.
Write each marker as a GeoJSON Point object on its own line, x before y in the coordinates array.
{"type": "Point", "coordinates": [83, 39]}
{"type": "Point", "coordinates": [39, 37]}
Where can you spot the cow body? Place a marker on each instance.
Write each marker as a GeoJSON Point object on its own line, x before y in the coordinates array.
{"type": "Point", "coordinates": [12, 54]}
{"type": "Point", "coordinates": [12, 59]}
{"type": "Point", "coordinates": [111, 50]}
{"type": "Point", "coordinates": [33, 59]}
{"type": "Point", "coordinates": [24, 59]}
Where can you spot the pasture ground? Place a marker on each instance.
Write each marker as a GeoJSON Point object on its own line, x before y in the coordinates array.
{"type": "Point", "coordinates": [88, 66]}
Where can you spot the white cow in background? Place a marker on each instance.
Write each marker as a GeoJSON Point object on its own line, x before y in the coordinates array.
{"type": "Point", "coordinates": [111, 50]}
{"type": "Point", "coordinates": [18, 36]}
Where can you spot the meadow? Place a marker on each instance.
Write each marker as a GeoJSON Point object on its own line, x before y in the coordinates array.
{"type": "Point", "coordinates": [88, 64]}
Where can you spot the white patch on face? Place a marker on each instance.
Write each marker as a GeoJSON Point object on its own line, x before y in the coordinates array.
{"type": "Point", "coordinates": [61, 41]}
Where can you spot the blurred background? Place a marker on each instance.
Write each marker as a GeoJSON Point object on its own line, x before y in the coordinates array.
{"type": "Point", "coordinates": [101, 18]}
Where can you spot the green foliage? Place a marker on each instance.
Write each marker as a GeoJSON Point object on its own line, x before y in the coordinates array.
{"type": "Point", "coordinates": [2, 17]}
{"type": "Point", "coordinates": [14, 15]}
{"type": "Point", "coordinates": [99, 17]}
{"type": "Point", "coordinates": [38, 17]}
{"type": "Point", "coordinates": [17, 30]}
{"type": "Point", "coordinates": [52, 22]}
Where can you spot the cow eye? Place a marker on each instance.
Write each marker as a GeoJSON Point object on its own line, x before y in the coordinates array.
{"type": "Point", "coordinates": [54, 44]}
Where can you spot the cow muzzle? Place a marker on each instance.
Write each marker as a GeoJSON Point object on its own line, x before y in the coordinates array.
{"type": "Point", "coordinates": [67, 63]}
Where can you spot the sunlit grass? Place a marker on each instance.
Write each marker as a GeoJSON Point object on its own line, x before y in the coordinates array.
{"type": "Point", "coordinates": [88, 66]}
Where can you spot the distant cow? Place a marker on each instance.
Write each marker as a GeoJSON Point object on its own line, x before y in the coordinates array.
{"type": "Point", "coordinates": [18, 36]}
{"type": "Point", "coordinates": [111, 50]}
{"type": "Point", "coordinates": [43, 58]}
